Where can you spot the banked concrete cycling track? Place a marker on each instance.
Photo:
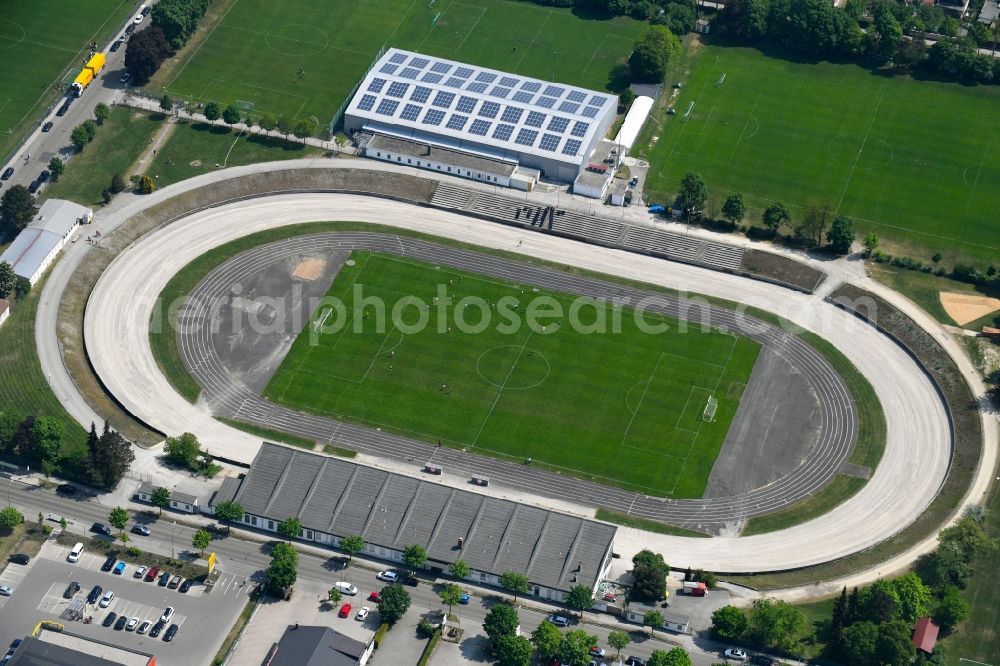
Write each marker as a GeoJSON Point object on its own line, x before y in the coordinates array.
{"type": "Point", "coordinates": [918, 434]}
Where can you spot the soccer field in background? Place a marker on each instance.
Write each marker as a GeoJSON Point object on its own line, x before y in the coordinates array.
{"type": "Point", "coordinates": [41, 45]}
{"type": "Point", "coordinates": [625, 408]}
{"type": "Point", "coordinates": [254, 53]}
{"type": "Point", "coordinates": [913, 161]}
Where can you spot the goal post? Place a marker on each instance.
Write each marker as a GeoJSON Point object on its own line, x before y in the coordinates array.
{"type": "Point", "coordinates": [710, 408]}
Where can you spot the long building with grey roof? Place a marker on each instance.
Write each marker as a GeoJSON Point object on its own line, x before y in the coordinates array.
{"type": "Point", "coordinates": [335, 498]}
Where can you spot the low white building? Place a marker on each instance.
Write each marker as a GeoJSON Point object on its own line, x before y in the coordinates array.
{"type": "Point", "coordinates": [36, 247]}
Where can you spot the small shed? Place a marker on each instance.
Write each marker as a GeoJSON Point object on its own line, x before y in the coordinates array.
{"type": "Point", "coordinates": [676, 622]}
{"type": "Point", "coordinates": [702, 26]}
{"type": "Point", "coordinates": [925, 635]}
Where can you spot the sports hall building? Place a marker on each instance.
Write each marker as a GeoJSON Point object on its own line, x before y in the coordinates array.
{"type": "Point", "coordinates": [475, 122]}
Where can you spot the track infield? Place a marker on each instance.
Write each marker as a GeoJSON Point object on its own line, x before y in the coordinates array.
{"type": "Point", "coordinates": [626, 407]}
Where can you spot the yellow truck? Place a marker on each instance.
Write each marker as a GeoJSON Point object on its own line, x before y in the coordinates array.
{"type": "Point", "coordinates": [88, 74]}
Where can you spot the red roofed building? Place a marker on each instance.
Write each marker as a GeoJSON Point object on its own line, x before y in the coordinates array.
{"type": "Point", "coordinates": [925, 635]}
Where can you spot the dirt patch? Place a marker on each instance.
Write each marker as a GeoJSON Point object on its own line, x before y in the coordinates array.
{"type": "Point", "coordinates": [964, 308]}
{"type": "Point", "coordinates": [309, 269]}
{"type": "Point", "coordinates": [194, 163]}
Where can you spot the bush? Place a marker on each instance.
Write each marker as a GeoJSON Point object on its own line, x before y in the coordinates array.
{"type": "Point", "coordinates": [133, 551]}
{"type": "Point", "coordinates": [425, 658]}
{"type": "Point", "coordinates": [426, 628]}
{"type": "Point", "coordinates": [380, 634]}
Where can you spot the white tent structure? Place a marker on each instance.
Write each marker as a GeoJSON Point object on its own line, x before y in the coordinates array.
{"type": "Point", "coordinates": [634, 121]}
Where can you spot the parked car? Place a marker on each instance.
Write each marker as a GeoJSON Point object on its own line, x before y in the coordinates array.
{"type": "Point", "coordinates": [106, 600]}
{"type": "Point", "coordinates": [144, 627]}
{"type": "Point", "coordinates": [137, 19]}
{"type": "Point", "coordinates": [109, 563]}
{"type": "Point", "coordinates": [101, 528]}
{"type": "Point", "coordinates": [597, 651]}
{"type": "Point", "coordinates": [119, 569]}
{"type": "Point", "coordinates": [346, 588]}
{"type": "Point", "coordinates": [19, 558]}
{"type": "Point", "coordinates": [157, 628]}
{"type": "Point", "coordinates": [43, 177]}
{"type": "Point", "coordinates": [363, 614]}
{"type": "Point", "coordinates": [634, 181]}
{"type": "Point", "coordinates": [130, 28]}
{"type": "Point", "coordinates": [118, 44]}
{"type": "Point", "coordinates": [388, 576]}
{"type": "Point", "coordinates": [132, 624]}
{"type": "Point", "coordinates": [125, 77]}
{"type": "Point", "coordinates": [63, 109]}
{"type": "Point", "coordinates": [144, 10]}
{"type": "Point", "coordinates": [409, 580]}
{"type": "Point", "coordinates": [168, 614]}
{"type": "Point", "coordinates": [735, 653]}
{"type": "Point", "coordinates": [109, 619]}
{"type": "Point", "coordinates": [66, 489]}
{"type": "Point", "coordinates": [174, 582]}
{"type": "Point", "coordinates": [345, 610]}
{"type": "Point", "coordinates": [164, 579]}
{"type": "Point", "coordinates": [464, 599]}
{"type": "Point", "coordinates": [120, 624]}
{"type": "Point", "coordinates": [33, 187]}
{"type": "Point", "coordinates": [74, 555]}
{"type": "Point", "coordinates": [171, 632]}
{"type": "Point", "coordinates": [95, 594]}
{"type": "Point", "coordinates": [6, 590]}
{"type": "Point", "coordinates": [7, 173]}
{"type": "Point", "coordinates": [71, 590]}
{"type": "Point", "coordinates": [185, 586]}
{"type": "Point", "coordinates": [140, 572]}
{"type": "Point", "coordinates": [141, 529]}
{"type": "Point", "coordinates": [152, 573]}
{"type": "Point", "coordinates": [375, 596]}
{"type": "Point", "coordinates": [635, 661]}
{"type": "Point", "coordinates": [47, 126]}
{"type": "Point", "coordinates": [559, 620]}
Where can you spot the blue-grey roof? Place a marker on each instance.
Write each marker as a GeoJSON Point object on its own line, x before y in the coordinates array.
{"type": "Point", "coordinates": [342, 498]}
{"type": "Point", "coordinates": [60, 216]}
{"type": "Point", "coordinates": [444, 98]}
{"type": "Point", "coordinates": [29, 250]}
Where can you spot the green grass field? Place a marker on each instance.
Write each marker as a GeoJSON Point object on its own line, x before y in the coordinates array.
{"type": "Point", "coordinates": [255, 50]}
{"type": "Point", "coordinates": [620, 407]}
{"type": "Point", "coordinates": [43, 49]}
{"type": "Point", "coordinates": [913, 161]}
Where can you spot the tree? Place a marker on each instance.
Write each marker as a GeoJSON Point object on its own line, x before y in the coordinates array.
{"type": "Point", "coordinates": [774, 216]}
{"type": "Point", "coordinates": [513, 651]}
{"type": "Point", "coordinates": [8, 279]}
{"type": "Point", "coordinates": [160, 498]}
{"type": "Point", "coordinates": [17, 209]}
{"type": "Point", "coordinates": [729, 623]}
{"type": "Point", "coordinates": [146, 51]}
{"type": "Point", "coordinates": [650, 573]}
{"type": "Point", "coordinates": [546, 639]}
{"type": "Point", "coordinates": [414, 556]}
{"type": "Point", "coordinates": [109, 457]}
{"type": "Point", "coordinates": [229, 512]}
{"type": "Point", "coordinates": [951, 609]}
{"type": "Point", "coordinates": [118, 183]}
{"type": "Point", "coordinates": [10, 518]}
{"type": "Point", "coordinates": [871, 244]}
{"type": "Point", "coordinates": [653, 619]}
{"type": "Point", "coordinates": [183, 449]}
{"type": "Point", "coordinates": [913, 596]}
{"type": "Point", "coordinates": [450, 594]}
{"type": "Point", "coordinates": [38, 439]}
{"type": "Point", "coordinates": [304, 129]}
{"type": "Point", "coordinates": [101, 113]}
{"type": "Point", "coordinates": [574, 650]}
{"type": "Point", "coordinates": [212, 111]}
{"type": "Point", "coordinates": [352, 545]}
{"type": "Point", "coordinates": [656, 49]}
{"type": "Point", "coordinates": [501, 621]}
{"type": "Point", "coordinates": [693, 192]}
{"type": "Point", "coordinates": [166, 104]}
{"type": "Point", "coordinates": [146, 185]}
{"type": "Point", "coordinates": [459, 569]}
{"type": "Point", "coordinates": [282, 573]}
{"type": "Point", "coordinates": [231, 115]}
{"type": "Point", "coordinates": [838, 619]}
{"type": "Point", "coordinates": [285, 125]}
{"type": "Point", "coordinates": [119, 517]}
{"type": "Point", "coordinates": [746, 19]}
{"type": "Point", "coordinates": [394, 603]}
{"type": "Point", "coordinates": [580, 598]}
{"type": "Point", "coordinates": [290, 528]}
{"type": "Point", "coordinates": [201, 540]}
{"type": "Point", "coordinates": [334, 596]}
{"type": "Point", "coordinates": [268, 122]}
{"type": "Point", "coordinates": [80, 136]}
{"type": "Point", "coordinates": [516, 582]}
{"type": "Point", "coordinates": [775, 623]}
{"type": "Point", "coordinates": [734, 209]}
{"type": "Point", "coordinates": [618, 640]}
{"type": "Point", "coordinates": [880, 603]}
{"type": "Point", "coordinates": [859, 642]}
{"type": "Point", "coordinates": [841, 235]}
{"type": "Point", "coordinates": [676, 657]}
{"type": "Point", "coordinates": [56, 167]}
{"type": "Point", "coordinates": [886, 34]}
{"type": "Point", "coordinates": [813, 224]}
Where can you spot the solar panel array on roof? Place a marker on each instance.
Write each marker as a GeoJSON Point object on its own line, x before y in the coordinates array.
{"type": "Point", "coordinates": [340, 498]}
{"type": "Point", "coordinates": [461, 90]}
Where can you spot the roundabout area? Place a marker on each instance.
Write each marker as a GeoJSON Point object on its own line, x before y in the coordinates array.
{"type": "Point", "coordinates": [907, 479]}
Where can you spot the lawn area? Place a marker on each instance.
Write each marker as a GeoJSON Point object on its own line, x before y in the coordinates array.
{"type": "Point", "coordinates": [23, 389]}
{"type": "Point", "coordinates": [196, 148]}
{"type": "Point", "coordinates": [621, 407]}
{"type": "Point", "coordinates": [925, 290]}
{"type": "Point", "coordinates": [117, 145]}
{"type": "Point", "coordinates": [336, 43]}
{"type": "Point", "coordinates": [909, 160]}
{"type": "Point", "coordinates": [43, 51]}
{"type": "Point", "coordinates": [837, 491]}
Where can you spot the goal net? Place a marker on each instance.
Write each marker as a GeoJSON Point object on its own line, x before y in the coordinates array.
{"type": "Point", "coordinates": [710, 409]}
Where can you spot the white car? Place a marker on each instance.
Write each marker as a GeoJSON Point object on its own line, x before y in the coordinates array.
{"type": "Point", "coordinates": [168, 613]}
{"type": "Point", "coordinates": [735, 653]}
{"type": "Point", "coordinates": [140, 572]}
{"type": "Point", "coordinates": [362, 614]}
{"type": "Point", "coordinates": [138, 19]}
{"type": "Point", "coordinates": [346, 588]}
{"type": "Point", "coordinates": [6, 590]}
{"type": "Point", "coordinates": [132, 624]}
{"type": "Point", "coordinates": [106, 600]}
{"type": "Point", "coordinates": [388, 576]}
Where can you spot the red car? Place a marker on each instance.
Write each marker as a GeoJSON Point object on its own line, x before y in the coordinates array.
{"type": "Point", "coordinates": [152, 573]}
{"type": "Point", "coordinates": [375, 596]}
{"type": "Point", "coordinates": [345, 610]}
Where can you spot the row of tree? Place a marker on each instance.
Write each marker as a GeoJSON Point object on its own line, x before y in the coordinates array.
{"type": "Point", "coordinates": [178, 19]}
{"type": "Point", "coordinates": [173, 23]}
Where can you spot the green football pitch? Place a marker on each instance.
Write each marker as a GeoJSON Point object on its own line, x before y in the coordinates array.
{"type": "Point", "coordinates": [256, 48]}
{"type": "Point", "coordinates": [913, 161]}
{"type": "Point", "coordinates": [43, 47]}
{"type": "Point", "coordinates": [623, 406]}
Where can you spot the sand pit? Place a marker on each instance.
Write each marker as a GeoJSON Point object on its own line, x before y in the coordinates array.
{"type": "Point", "coordinates": [964, 308]}
{"type": "Point", "coordinates": [309, 269]}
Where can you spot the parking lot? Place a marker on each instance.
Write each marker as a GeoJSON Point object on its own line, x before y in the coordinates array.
{"type": "Point", "coordinates": [203, 618]}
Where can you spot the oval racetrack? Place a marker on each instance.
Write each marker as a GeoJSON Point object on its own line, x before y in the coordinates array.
{"type": "Point", "coordinates": [912, 469]}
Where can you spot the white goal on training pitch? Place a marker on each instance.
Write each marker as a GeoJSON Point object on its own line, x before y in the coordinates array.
{"type": "Point", "coordinates": [710, 409]}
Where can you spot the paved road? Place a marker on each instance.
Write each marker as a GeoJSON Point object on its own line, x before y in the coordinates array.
{"type": "Point", "coordinates": [916, 453]}
{"type": "Point", "coordinates": [230, 397]}
{"type": "Point", "coordinates": [34, 155]}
